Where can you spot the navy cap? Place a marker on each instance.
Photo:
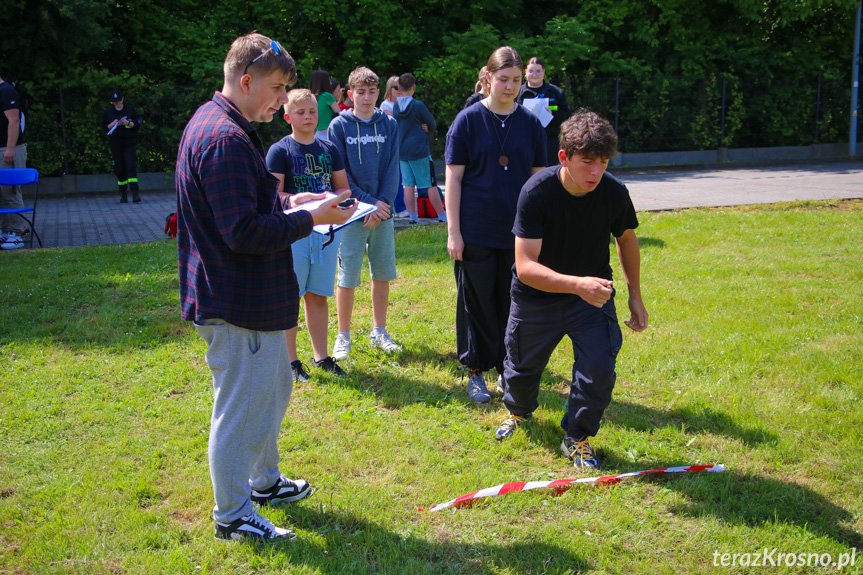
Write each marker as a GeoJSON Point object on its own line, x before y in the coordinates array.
{"type": "Point", "coordinates": [116, 95]}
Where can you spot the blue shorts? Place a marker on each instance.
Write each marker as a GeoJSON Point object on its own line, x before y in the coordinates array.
{"type": "Point", "coordinates": [381, 244]}
{"type": "Point", "coordinates": [315, 267]}
{"type": "Point", "coordinates": [417, 173]}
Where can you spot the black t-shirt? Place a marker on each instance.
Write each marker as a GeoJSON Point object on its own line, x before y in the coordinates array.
{"type": "Point", "coordinates": [473, 99]}
{"type": "Point", "coordinates": [9, 100]}
{"type": "Point", "coordinates": [574, 230]}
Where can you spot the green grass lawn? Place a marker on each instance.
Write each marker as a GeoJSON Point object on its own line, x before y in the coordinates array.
{"type": "Point", "coordinates": [754, 359]}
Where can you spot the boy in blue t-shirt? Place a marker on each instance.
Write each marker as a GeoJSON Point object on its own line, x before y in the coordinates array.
{"type": "Point", "coordinates": [307, 167]}
{"type": "Point", "coordinates": [415, 121]}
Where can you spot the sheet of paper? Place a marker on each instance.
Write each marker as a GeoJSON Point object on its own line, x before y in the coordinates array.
{"type": "Point", "coordinates": [324, 229]}
{"type": "Point", "coordinates": [539, 107]}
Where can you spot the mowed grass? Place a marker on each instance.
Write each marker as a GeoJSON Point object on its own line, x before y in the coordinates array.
{"type": "Point", "coordinates": [754, 359]}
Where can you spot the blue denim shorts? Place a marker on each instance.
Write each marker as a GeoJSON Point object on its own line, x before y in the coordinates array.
{"type": "Point", "coordinates": [315, 267]}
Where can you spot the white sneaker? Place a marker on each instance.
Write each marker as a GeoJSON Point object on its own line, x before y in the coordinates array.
{"type": "Point", "coordinates": [403, 214]}
{"type": "Point", "coordinates": [341, 348]}
{"type": "Point", "coordinates": [384, 341]}
{"type": "Point", "coordinates": [11, 241]}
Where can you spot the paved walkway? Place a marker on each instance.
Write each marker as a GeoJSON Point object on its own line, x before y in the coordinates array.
{"type": "Point", "coordinates": [88, 221]}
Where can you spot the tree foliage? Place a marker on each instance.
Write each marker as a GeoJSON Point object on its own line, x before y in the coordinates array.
{"type": "Point", "coordinates": [770, 55]}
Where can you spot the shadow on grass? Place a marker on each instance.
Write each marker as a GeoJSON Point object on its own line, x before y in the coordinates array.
{"type": "Point", "coordinates": [643, 242]}
{"type": "Point", "coordinates": [349, 544]}
{"type": "Point", "coordinates": [702, 419]}
{"type": "Point", "coordinates": [549, 433]}
{"type": "Point", "coordinates": [753, 501]}
{"type": "Point", "coordinates": [648, 242]}
{"type": "Point", "coordinates": [397, 387]}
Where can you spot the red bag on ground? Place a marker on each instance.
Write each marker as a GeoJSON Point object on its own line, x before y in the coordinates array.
{"type": "Point", "coordinates": [171, 225]}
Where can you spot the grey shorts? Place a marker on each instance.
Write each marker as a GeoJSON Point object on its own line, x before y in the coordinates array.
{"type": "Point", "coordinates": [380, 242]}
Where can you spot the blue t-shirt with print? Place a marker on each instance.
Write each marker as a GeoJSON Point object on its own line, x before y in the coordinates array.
{"type": "Point", "coordinates": [307, 167]}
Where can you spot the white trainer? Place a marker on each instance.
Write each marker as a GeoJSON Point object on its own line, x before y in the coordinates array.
{"type": "Point", "coordinates": [341, 348]}
{"type": "Point", "coordinates": [11, 241]}
{"type": "Point", "coordinates": [384, 341]}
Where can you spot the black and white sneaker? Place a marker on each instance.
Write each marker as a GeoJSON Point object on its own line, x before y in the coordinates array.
{"type": "Point", "coordinates": [253, 527]}
{"type": "Point", "coordinates": [298, 371]}
{"type": "Point", "coordinates": [329, 364]}
{"type": "Point", "coordinates": [284, 491]}
{"type": "Point", "coordinates": [11, 241]}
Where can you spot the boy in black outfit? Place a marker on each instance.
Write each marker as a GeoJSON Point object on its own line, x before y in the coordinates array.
{"type": "Point", "coordinates": [563, 285]}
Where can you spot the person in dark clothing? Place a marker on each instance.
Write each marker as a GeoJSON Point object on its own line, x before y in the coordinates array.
{"type": "Point", "coordinates": [479, 91]}
{"type": "Point", "coordinates": [122, 122]}
{"type": "Point", "coordinates": [537, 87]}
{"type": "Point", "coordinates": [562, 283]}
{"type": "Point", "coordinates": [14, 155]}
{"type": "Point", "coordinates": [492, 148]}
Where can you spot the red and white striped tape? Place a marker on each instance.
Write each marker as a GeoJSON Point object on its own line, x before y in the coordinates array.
{"type": "Point", "coordinates": [561, 485]}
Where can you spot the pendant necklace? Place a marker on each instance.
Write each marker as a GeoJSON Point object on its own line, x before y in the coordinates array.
{"type": "Point", "coordinates": [502, 121]}
{"type": "Point", "coordinates": [502, 160]}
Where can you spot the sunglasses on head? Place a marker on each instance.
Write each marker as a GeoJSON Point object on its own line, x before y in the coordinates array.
{"type": "Point", "coordinates": [275, 47]}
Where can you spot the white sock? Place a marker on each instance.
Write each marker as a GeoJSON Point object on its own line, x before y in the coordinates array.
{"type": "Point", "coordinates": [413, 216]}
{"type": "Point", "coordinates": [442, 216]}
{"type": "Point", "coordinates": [346, 335]}
{"type": "Point", "coordinates": [378, 330]}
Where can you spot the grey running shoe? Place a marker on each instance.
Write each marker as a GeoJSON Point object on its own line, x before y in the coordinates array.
{"type": "Point", "coordinates": [476, 389]}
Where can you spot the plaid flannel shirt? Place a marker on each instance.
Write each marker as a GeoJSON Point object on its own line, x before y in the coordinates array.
{"type": "Point", "coordinates": [233, 240]}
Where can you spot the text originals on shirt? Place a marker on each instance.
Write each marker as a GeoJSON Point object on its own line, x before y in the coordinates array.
{"type": "Point", "coordinates": [380, 138]}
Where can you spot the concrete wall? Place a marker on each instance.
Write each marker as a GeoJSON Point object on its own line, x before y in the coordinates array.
{"type": "Point", "coordinates": [101, 183]}
{"type": "Point", "coordinates": [723, 157]}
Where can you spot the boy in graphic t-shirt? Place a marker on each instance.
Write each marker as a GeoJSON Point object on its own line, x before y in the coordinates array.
{"type": "Point", "coordinates": [307, 167]}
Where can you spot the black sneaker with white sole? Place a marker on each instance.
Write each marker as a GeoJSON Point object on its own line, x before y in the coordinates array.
{"type": "Point", "coordinates": [284, 491]}
{"type": "Point", "coordinates": [330, 365]}
{"type": "Point", "coordinates": [298, 371]}
{"type": "Point", "coordinates": [253, 527]}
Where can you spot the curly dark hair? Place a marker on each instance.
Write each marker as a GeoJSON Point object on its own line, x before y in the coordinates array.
{"type": "Point", "coordinates": [587, 134]}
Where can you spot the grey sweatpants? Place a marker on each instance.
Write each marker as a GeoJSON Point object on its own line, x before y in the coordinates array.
{"type": "Point", "coordinates": [252, 386]}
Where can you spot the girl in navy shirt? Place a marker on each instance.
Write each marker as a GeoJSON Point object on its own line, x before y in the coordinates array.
{"type": "Point", "coordinates": [492, 148]}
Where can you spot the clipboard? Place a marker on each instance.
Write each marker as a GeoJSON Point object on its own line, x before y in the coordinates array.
{"type": "Point", "coordinates": [363, 209]}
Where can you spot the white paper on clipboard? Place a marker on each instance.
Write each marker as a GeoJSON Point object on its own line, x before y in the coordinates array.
{"type": "Point", "coordinates": [324, 229]}
{"type": "Point", "coordinates": [539, 107]}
